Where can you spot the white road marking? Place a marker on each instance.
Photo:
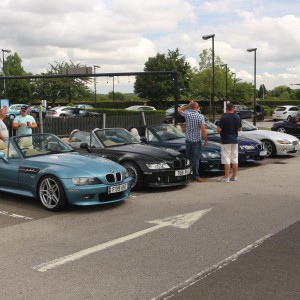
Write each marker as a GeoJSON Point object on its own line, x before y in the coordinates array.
{"type": "Point", "coordinates": [14, 215]}
{"type": "Point", "coordinates": [205, 273]}
{"type": "Point", "coordinates": [181, 221]}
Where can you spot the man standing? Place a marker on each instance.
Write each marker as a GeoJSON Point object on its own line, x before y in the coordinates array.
{"type": "Point", "coordinates": [195, 129]}
{"type": "Point", "coordinates": [228, 127]}
{"type": "Point", "coordinates": [3, 129]}
{"type": "Point", "coordinates": [24, 123]}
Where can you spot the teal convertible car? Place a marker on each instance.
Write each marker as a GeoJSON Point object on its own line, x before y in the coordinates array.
{"type": "Point", "coordinates": [45, 167]}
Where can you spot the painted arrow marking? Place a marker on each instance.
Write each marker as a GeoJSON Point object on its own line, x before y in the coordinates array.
{"type": "Point", "coordinates": [181, 221]}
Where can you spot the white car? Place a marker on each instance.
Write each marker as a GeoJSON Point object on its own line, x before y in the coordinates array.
{"type": "Point", "coordinates": [276, 143]}
{"type": "Point", "coordinates": [59, 111]}
{"type": "Point", "coordinates": [285, 112]}
{"type": "Point", "coordinates": [141, 107]}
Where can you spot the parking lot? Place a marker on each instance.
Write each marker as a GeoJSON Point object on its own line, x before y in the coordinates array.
{"type": "Point", "coordinates": [129, 250]}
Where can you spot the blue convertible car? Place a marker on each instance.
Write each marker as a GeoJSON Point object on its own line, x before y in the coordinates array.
{"type": "Point", "coordinates": [45, 167]}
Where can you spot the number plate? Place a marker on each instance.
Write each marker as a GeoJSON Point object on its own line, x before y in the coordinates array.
{"type": "Point", "coordinates": [117, 188]}
{"type": "Point", "coordinates": [182, 172]}
{"type": "Point", "coordinates": [263, 153]}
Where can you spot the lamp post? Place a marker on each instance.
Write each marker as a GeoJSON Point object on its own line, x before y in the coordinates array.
{"type": "Point", "coordinates": [233, 94]}
{"type": "Point", "coordinates": [95, 82]}
{"type": "Point", "coordinates": [212, 100]}
{"type": "Point", "coordinates": [3, 69]}
{"type": "Point", "coordinates": [226, 82]}
{"type": "Point", "coordinates": [113, 77]}
{"type": "Point", "coordinates": [254, 93]}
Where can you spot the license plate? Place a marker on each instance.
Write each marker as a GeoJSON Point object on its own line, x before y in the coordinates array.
{"type": "Point", "coordinates": [263, 153]}
{"type": "Point", "coordinates": [117, 188]}
{"type": "Point", "coordinates": [182, 172]}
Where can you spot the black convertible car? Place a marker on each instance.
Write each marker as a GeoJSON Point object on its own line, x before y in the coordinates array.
{"type": "Point", "coordinates": [168, 136]}
{"type": "Point", "coordinates": [291, 126]}
{"type": "Point", "coordinates": [148, 165]}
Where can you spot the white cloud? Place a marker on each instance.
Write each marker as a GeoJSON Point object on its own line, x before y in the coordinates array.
{"type": "Point", "coordinates": [121, 35]}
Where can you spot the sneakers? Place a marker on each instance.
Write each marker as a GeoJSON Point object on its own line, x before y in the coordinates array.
{"type": "Point", "coordinates": [222, 179]}
{"type": "Point", "coordinates": [233, 178]}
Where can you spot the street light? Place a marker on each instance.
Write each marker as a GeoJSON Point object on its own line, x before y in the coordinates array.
{"type": "Point", "coordinates": [3, 68]}
{"type": "Point", "coordinates": [234, 80]}
{"type": "Point", "coordinates": [212, 100]}
{"type": "Point", "coordinates": [95, 83]}
{"type": "Point", "coordinates": [254, 94]}
{"type": "Point", "coordinates": [113, 77]}
{"type": "Point", "coordinates": [226, 86]}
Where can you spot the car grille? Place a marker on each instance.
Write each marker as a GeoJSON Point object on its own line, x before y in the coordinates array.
{"type": "Point", "coordinates": [179, 163]}
{"type": "Point", "coordinates": [114, 177]}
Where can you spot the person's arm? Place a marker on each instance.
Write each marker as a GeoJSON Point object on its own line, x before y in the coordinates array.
{"type": "Point", "coordinates": [184, 107]}
{"type": "Point", "coordinates": [15, 124]}
{"type": "Point", "coordinates": [204, 134]}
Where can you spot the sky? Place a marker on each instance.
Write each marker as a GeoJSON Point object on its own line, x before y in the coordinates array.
{"type": "Point", "coordinates": [120, 35]}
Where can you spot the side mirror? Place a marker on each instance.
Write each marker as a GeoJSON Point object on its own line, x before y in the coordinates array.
{"type": "Point", "coordinates": [84, 146]}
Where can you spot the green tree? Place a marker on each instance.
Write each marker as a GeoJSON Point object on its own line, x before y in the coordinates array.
{"type": "Point", "coordinates": [262, 91]}
{"type": "Point", "coordinates": [67, 89]}
{"type": "Point", "coordinates": [160, 88]}
{"type": "Point", "coordinates": [17, 90]}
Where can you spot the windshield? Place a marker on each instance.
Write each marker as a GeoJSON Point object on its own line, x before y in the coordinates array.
{"type": "Point", "coordinates": [41, 144]}
{"type": "Point", "coordinates": [115, 136]}
{"type": "Point", "coordinates": [246, 126]}
{"type": "Point", "coordinates": [163, 133]}
{"type": "Point", "coordinates": [211, 128]}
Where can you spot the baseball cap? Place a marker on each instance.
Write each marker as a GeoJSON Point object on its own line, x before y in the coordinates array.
{"type": "Point", "coordinates": [24, 107]}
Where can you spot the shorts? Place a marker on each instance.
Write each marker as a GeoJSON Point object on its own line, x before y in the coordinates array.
{"type": "Point", "coordinates": [229, 154]}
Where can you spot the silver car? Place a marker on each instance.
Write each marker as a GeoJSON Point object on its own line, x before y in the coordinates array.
{"type": "Point", "coordinates": [276, 143]}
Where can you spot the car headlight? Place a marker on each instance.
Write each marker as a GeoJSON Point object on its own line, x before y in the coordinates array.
{"type": "Point", "coordinates": [158, 166]}
{"type": "Point", "coordinates": [283, 142]}
{"type": "Point", "coordinates": [247, 147]}
{"type": "Point", "coordinates": [210, 155]}
{"type": "Point", "coordinates": [86, 180]}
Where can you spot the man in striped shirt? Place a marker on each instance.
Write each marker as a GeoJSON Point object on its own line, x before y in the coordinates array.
{"type": "Point", "coordinates": [195, 130]}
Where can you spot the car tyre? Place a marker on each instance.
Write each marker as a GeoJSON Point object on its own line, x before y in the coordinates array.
{"type": "Point", "coordinates": [51, 193]}
{"type": "Point", "coordinates": [135, 173]}
{"type": "Point", "coordinates": [289, 118]}
{"type": "Point", "coordinates": [270, 147]}
{"type": "Point", "coordinates": [11, 117]}
{"type": "Point", "coordinates": [281, 129]}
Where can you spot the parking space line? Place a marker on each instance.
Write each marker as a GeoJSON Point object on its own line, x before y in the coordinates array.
{"type": "Point", "coordinates": [205, 273]}
{"type": "Point", "coordinates": [2, 212]}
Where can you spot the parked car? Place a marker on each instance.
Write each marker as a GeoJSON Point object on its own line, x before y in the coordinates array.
{"type": "Point", "coordinates": [14, 110]}
{"type": "Point", "coordinates": [291, 127]}
{"type": "Point", "coordinates": [45, 167]}
{"type": "Point", "coordinates": [34, 110]}
{"type": "Point", "coordinates": [80, 112]}
{"type": "Point", "coordinates": [276, 143]}
{"type": "Point", "coordinates": [285, 112]}
{"type": "Point", "coordinates": [170, 116]}
{"type": "Point", "coordinates": [168, 136]}
{"type": "Point", "coordinates": [243, 111]}
{"type": "Point", "coordinates": [59, 111]}
{"type": "Point", "coordinates": [250, 150]}
{"type": "Point", "coordinates": [149, 166]}
{"type": "Point", "coordinates": [84, 106]}
{"type": "Point", "coordinates": [141, 107]}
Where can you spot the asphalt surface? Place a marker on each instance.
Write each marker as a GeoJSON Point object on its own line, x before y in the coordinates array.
{"type": "Point", "coordinates": [270, 271]}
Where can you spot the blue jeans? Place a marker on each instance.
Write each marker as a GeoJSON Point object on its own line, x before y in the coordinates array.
{"type": "Point", "coordinates": [193, 153]}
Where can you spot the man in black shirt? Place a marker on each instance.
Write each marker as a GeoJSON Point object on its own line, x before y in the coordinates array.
{"type": "Point", "coordinates": [228, 127]}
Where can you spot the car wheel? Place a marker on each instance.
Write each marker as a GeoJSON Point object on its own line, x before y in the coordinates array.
{"type": "Point", "coordinates": [11, 117]}
{"type": "Point", "coordinates": [289, 118]}
{"type": "Point", "coordinates": [281, 129]}
{"type": "Point", "coordinates": [135, 173]}
{"type": "Point", "coordinates": [270, 147]}
{"type": "Point", "coordinates": [51, 193]}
